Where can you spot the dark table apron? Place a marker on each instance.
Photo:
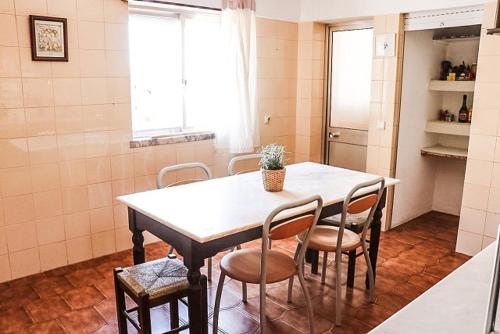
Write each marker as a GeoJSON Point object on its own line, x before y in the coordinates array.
{"type": "Point", "coordinates": [194, 253]}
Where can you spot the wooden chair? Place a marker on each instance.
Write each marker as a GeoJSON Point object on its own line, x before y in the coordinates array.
{"type": "Point", "coordinates": [182, 167]}
{"type": "Point", "coordinates": [326, 238]}
{"type": "Point", "coordinates": [263, 266]}
{"type": "Point", "coordinates": [231, 167]}
{"type": "Point", "coordinates": [149, 285]}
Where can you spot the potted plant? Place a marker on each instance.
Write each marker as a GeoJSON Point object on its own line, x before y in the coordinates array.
{"type": "Point", "coordinates": [272, 163]}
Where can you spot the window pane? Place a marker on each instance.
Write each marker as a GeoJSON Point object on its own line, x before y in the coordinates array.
{"type": "Point", "coordinates": [351, 72]}
{"type": "Point", "coordinates": [156, 72]}
{"type": "Point", "coordinates": [202, 70]}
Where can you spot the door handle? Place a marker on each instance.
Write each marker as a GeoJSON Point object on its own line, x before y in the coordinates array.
{"type": "Point", "coordinates": [332, 135]}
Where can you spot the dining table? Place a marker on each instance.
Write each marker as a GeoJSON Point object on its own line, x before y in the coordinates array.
{"type": "Point", "coordinates": [204, 218]}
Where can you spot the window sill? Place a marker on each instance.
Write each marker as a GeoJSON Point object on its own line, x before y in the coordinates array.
{"type": "Point", "coordinates": [171, 139]}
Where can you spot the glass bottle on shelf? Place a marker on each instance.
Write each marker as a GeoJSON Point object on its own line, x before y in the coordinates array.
{"type": "Point", "coordinates": [463, 113]}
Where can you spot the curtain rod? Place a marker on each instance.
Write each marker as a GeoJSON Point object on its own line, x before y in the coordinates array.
{"type": "Point", "coordinates": [170, 3]}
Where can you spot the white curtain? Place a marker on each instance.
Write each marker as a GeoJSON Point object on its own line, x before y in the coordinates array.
{"type": "Point", "coordinates": [237, 129]}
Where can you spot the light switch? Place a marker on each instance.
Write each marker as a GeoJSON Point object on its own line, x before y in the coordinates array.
{"type": "Point", "coordinates": [380, 125]}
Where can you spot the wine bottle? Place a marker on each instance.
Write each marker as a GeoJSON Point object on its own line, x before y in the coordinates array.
{"type": "Point", "coordinates": [463, 113]}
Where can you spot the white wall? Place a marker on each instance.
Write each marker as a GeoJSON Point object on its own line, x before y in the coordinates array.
{"type": "Point", "coordinates": [285, 10]}
{"type": "Point", "coordinates": [414, 195]}
{"type": "Point", "coordinates": [326, 10]}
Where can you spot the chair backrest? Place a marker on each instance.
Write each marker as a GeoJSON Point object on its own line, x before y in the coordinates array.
{"type": "Point", "coordinates": [231, 170]}
{"type": "Point", "coordinates": [362, 204]}
{"type": "Point", "coordinates": [175, 168]}
{"type": "Point", "coordinates": [304, 223]}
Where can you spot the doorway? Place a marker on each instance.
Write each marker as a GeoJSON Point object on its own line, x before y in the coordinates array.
{"type": "Point", "coordinates": [348, 96]}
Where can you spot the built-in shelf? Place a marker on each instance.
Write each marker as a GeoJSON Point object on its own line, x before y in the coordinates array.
{"type": "Point", "coordinates": [445, 152]}
{"type": "Point", "coordinates": [452, 86]}
{"type": "Point", "coordinates": [448, 128]}
{"type": "Point", "coordinates": [457, 39]}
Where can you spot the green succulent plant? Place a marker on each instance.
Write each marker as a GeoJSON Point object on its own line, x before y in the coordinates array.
{"type": "Point", "coordinates": [273, 157]}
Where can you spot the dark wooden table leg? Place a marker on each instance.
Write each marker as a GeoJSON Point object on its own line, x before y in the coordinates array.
{"type": "Point", "coordinates": [375, 237]}
{"type": "Point", "coordinates": [137, 238]}
{"type": "Point", "coordinates": [351, 269]}
{"type": "Point", "coordinates": [312, 257]}
{"type": "Point", "coordinates": [198, 305]}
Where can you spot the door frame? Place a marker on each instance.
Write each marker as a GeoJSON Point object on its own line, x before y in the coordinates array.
{"type": "Point", "coordinates": [344, 26]}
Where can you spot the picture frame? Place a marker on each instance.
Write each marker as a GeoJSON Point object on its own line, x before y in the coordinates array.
{"type": "Point", "coordinates": [49, 38]}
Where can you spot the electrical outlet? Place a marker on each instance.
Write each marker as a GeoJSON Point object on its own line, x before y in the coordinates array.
{"type": "Point", "coordinates": [267, 118]}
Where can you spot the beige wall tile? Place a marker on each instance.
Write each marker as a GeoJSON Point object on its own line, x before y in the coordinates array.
{"type": "Point", "coordinates": [69, 119]}
{"type": "Point", "coordinates": [67, 92]}
{"type": "Point", "coordinates": [15, 181]}
{"type": "Point", "coordinates": [94, 91]}
{"type": "Point", "coordinates": [98, 170]}
{"type": "Point", "coordinates": [14, 152]}
{"type": "Point", "coordinates": [11, 92]}
{"type": "Point", "coordinates": [24, 263]}
{"type": "Point", "coordinates": [75, 199]}
{"type": "Point", "coordinates": [30, 68]}
{"type": "Point", "coordinates": [62, 8]}
{"type": "Point", "coordinates": [45, 177]}
{"type": "Point", "coordinates": [31, 7]}
{"type": "Point", "coordinates": [101, 219]}
{"type": "Point", "coordinates": [7, 27]}
{"type": "Point", "coordinates": [77, 224]}
{"type": "Point", "coordinates": [42, 149]}
{"type": "Point", "coordinates": [9, 62]}
{"type": "Point", "coordinates": [40, 121]}
{"type": "Point", "coordinates": [93, 63]}
{"type": "Point", "coordinates": [103, 243]}
{"type": "Point", "coordinates": [91, 35]}
{"type": "Point", "coordinates": [491, 224]}
{"type": "Point", "coordinates": [116, 36]}
{"type": "Point", "coordinates": [468, 243]}
{"type": "Point", "coordinates": [115, 11]}
{"type": "Point", "coordinates": [479, 172]}
{"type": "Point", "coordinates": [90, 10]}
{"type": "Point", "coordinates": [123, 238]}
{"type": "Point", "coordinates": [53, 256]}
{"type": "Point", "coordinates": [50, 230]}
{"type": "Point", "coordinates": [5, 274]}
{"type": "Point", "coordinates": [71, 68]}
{"type": "Point", "coordinates": [79, 249]}
{"type": "Point", "coordinates": [19, 209]}
{"type": "Point", "coordinates": [7, 7]}
{"type": "Point", "coordinates": [73, 173]}
{"type": "Point", "coordinates": [48, 203]}
{"type": "Point", "coordinates": [100, 194]}
{"type": "Point", "coordinates": [122, 166]}
{"type": "Point", "coordinates": [472, 220]}
{"type": "Point", "coordinates": [71, 146]}
{"type": "Point", "coordinates": [12, 123]}
{"type": "Point", "coordinates": [21, 236]}
{"type": "Point", "coordinates": [23, 30]}
{"type": "Point", "coordinates": [38, 92]}
{"type": "Point", "coordinates": [475, 196]}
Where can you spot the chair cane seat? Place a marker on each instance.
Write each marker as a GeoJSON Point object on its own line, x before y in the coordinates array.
{"type": "Point", "coordinates": [244, 266]}
{"type": "Point", "coordinates": [157, 278]}
{"type": "Point", "coordinates": [353, 222]}
{"type": "Point", "coordinates": [324, 238]}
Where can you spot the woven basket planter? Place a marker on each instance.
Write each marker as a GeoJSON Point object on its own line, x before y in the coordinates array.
{"type": "Point", "coordinates": [273, 179]}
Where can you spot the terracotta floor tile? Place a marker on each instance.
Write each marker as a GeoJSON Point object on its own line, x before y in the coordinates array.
{"type": "Point", "coordinates": [14, 319]}
{"type": "Point", "coordinates": [51, 286]}
{"type": "Point", "coordinates": [412, 258]}
{"type": "Point", "coordinates": [82, 321]}
{"type": "Point", "coordinates": [84, 276]}
{"type": "Point", "coordinates": [83, 297]}
{"type": "Point", "coordinates": [47, 309]}
{"type": "Point", "coordinates": [47, 327]}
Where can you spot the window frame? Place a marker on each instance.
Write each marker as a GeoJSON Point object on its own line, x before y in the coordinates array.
{"type": "Point", "coordinates": [181, 13]}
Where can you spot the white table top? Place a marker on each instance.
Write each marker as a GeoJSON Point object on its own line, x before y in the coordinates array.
{"type": "Point", "coordinates": [457, 304]}
{"type": "Point", "coordinates": [219, 207]}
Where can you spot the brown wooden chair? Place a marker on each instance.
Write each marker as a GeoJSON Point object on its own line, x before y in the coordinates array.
{"type": "Point", "coordinates": [183, 167]}
{"type": "Point", "coordinates": [265, 265]}
{"type": "Point", "coordinates": [149, 285]}
{"type": "Point", "coordinates": [231, 167]}
{"type": "Point", "coordinates": [326, 238]}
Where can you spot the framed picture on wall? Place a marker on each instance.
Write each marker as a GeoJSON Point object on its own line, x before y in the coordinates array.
{"type": "Point", "coordinates": [49, 38]}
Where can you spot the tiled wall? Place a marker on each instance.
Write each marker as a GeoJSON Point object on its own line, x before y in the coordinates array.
{"type": "Point", "coordinates": [385, 104]}
{"type": "Point", "coordinates": [480, 214]}
{"type": "Point", "coordinates": [65, 131]}
{"type": "Point", "coordinates": [310, 86]}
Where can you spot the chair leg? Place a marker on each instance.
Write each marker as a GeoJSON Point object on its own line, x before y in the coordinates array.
{"type": "Point", "coordinates": [290, 281]}
{"type": "Point", "coordinates": [144, 314]}
{"type": "Point", "coordinates": [323, 269]}
{"type": "Point", "coordinates": [290, 289]}
{"type": "Point", "coordinates": [262, 296]}
{"type": "Point", "coordinates": [351, 269]}
{"type": "Point", "coordinates": [338, 287]}
{"type": "Point", "coordinates": [120, 304]}
{"type": "Point", "coordinates": [209, 271]}
{"type": "Point", "coordinates": [218, 295]}
{"type": "Point", "coordinates": [371, 278]}
{"type": "Point", "coordinates": [174, 314]}
{"type": "Point", "coordinates": [307, 296]}
{"type": "Point", "coordinates": [243, 292]}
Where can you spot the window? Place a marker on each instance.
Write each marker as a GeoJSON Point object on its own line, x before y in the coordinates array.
{"type": "Point", "coordinates": [174, 61]}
